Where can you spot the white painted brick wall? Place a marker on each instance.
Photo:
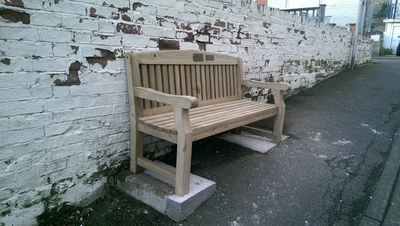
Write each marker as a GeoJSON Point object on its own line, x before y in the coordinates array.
{"type": "Point", "coordinates": [57, 141]}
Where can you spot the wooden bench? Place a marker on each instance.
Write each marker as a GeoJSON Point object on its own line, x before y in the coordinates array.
{"type": "Point", "coordinates": [184, 96]}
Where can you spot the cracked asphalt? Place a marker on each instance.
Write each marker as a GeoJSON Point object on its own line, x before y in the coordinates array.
{"type": "Point", "coordinates": [341, 133]}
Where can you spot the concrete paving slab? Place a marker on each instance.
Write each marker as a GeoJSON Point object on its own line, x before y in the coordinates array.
{"type": "Point", "coordinates": [256, 143]}
{"type": "Point", "coordinates": [158, 192]}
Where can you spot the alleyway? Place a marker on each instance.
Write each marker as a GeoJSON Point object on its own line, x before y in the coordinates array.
{"type": "Point", "coordinates": [341, 133]}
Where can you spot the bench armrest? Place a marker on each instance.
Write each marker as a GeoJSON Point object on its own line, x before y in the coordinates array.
{"type": "Point", "coordinates": [277, 86]}
{"type": "Point", "coordinates": [184, 102]}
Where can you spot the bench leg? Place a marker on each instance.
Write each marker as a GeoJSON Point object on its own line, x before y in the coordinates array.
{"type": "Point", "coordinates": [184, 151]}
{"type": "Point", "coordinates": [136, 149]}
{"type": "Point", "coordinates": [278, 123]}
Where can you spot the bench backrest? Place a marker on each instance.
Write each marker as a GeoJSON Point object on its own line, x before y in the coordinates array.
{"type": "Point", "coordinates": [210, 77]}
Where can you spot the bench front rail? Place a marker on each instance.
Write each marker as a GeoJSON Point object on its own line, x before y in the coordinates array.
{"type": "Point", "coordinates": [184, 96]}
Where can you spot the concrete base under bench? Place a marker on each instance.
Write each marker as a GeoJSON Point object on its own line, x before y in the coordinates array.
{"type": "Point", "coordinates": [158, 192]}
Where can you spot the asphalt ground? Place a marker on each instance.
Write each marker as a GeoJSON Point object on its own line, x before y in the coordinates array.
{"type": "Point", "coordinates": [342, 132]}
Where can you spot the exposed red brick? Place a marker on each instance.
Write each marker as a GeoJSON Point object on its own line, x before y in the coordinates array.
{"type": "Point", "coordinates": [115, 16]}
{"type": "Point", "coordinates": [186, 27]}
{"type": "Point", "coordinates": [75, 48]}
{"type": "Point", "coordinates": [17, 3]}
{"type": "Point", "coordinates": [136, 5]}
{"type": "Point", "coordinates": [204, 30]}
{"type": "Point", "coordinates": [260, 42]}
{"type": "Point", "coordinates": [73, 78]}
{"type": "Point", "coordinates": [15, 16]}
{"type": "Point", "coordinates": [126, 18]}
{"type": "Point", "coordinates": [128, 28]}
{"type": "Point", "coordinates": [75, 66]}
{"type": "Point", "coordinates": [215, 30]}
{"type": "Point", "coordinates": [164, 44]}
{"type": "Point", "coordinates": [123, 9]}
{"type": "Point", "coordinates": [80, 20]}
{"type": "Point", "coordinates": [93, 13]}
{"type": "Point", "coordinates": [140, 19]}
{"type": "Point", "coordinates": [5, 61]}
{"type": "Point", "coordinates": [177, 24]}
{"type": "Point", "coordinates": [119, 53]}
{"type": "Point", "coordinates": [160, 21]}
{"type": "Point", "coordinates": [106, 55]}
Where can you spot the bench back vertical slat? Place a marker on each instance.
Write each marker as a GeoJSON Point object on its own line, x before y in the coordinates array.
{"type": "Point", "coordinates": [235, 81]}
{"type": "Point", "coordinates": [211, 80]}
{"type": "Point", "coordinates": [219, 87]}
{"type": "Point", "coordinates": [203, 83]}
{"type": "Point", "coordinates": [165, 78]}
{"type": "Point", "coordinates": [145, 82]}
{"type": "Point", "coordinates": [182, 79]}
{"type": "Point", "coordinates": [197, 84]}
{"type": "Point", "coordinates": [171, 79]}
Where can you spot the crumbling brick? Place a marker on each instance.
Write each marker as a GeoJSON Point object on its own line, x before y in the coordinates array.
{"type": "Point", "coordinates": [164, 44]}
{"type": "Point", "coordinates": [106, 55]}
{"type": "Point", "coordinates": [136, 5]}
{"type": "Point", "coordinates": [15, 16]}
{"type": "Point", "coordinates": [128, 28]}
{"type": "Point", "coordinates": [93, 13]}
{"type": "Point", "coordinates": [17, 3]}
{"type": "Point", "coordinates": [73, 78]}
{"type": "Point", "coordinates": [5, 61]}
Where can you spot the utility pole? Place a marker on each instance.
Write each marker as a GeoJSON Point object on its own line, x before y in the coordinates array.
{"type": "Point", "coordinates": [364, 20]}
{"type": "Point", "coordinates": [355, 43]}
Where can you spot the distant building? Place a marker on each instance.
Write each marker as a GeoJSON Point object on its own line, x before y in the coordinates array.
{"type": "Point", "coordinates": [339, 12]}
{"type": "Point", "coordinates": [391, 36]}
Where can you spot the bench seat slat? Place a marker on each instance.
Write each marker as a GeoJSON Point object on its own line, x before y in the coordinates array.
{"type": "Point", "coordinates": [167, 121]}
{"type": "Point", "coordinates": [217, 115]}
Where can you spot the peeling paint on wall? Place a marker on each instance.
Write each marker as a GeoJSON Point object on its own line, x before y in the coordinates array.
{"type": "Point", "coordinates": [15, 16]}
{"type": "Point", "coordinates": [73, 78]}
